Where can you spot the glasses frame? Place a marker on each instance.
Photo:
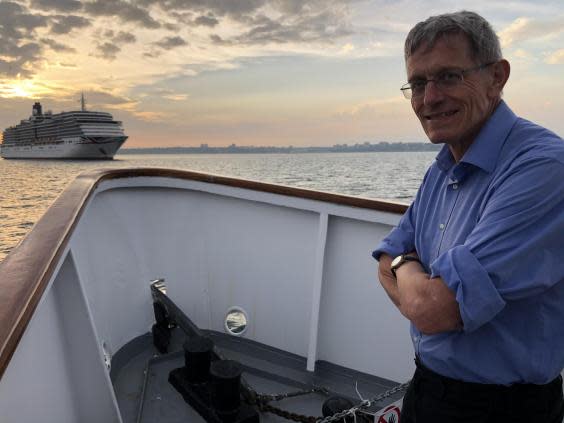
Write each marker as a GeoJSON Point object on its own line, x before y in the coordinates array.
{"type": "Point", "coordinates": [408, 91]}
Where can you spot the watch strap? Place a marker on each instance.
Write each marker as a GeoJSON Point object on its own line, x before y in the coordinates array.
{"type": "Point", "coordinates": [404, 259]}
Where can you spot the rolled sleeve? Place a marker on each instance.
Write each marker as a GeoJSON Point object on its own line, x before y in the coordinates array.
{"type": "Point", "coordinates": [400, 240]}
{"type": "Point", "coordinates": [396, 243]}
{"type": "Point", "coordinates": [476, 294]}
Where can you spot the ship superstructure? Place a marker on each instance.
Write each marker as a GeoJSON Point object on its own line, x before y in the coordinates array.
{"type": "Point", "coordinates": [80, 134]}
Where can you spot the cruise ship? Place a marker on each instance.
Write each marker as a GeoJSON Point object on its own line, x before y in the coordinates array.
{"type": "Point", "coordinates": [79, 134]}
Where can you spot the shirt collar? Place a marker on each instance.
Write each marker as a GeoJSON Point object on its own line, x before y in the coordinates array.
{"type": "Point", "coordinates": [485, 149]}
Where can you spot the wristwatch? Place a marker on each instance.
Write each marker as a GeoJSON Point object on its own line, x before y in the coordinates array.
{"type": "Point", "coordinates": [401, 260]}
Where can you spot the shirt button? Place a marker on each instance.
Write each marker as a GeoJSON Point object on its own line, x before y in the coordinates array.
{"type": "Point", "coordinates": [441, 226]}
{"type": "Point", "coordinates": [454, 186]}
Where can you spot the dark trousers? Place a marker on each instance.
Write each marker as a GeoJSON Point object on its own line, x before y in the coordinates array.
{"type": "Point", "coordinates": [432, 398]}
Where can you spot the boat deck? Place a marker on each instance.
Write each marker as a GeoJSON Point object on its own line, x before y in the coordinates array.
{"type": "Point", "coordinates": [140, 378]}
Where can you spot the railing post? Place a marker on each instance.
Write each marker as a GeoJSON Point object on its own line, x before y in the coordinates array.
{"type": "Point", "coordinates": [316, 295]}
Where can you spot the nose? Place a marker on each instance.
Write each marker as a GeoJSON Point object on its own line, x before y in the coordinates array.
{"type": "Point", "coordinates": [433, 94]}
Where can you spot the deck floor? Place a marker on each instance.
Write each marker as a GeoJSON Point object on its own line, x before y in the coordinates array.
{"type": "Point", "coordinates": [144, 395]}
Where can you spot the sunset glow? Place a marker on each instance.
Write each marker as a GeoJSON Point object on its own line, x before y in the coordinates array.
{"type": "Point", "coordinates": [22, 88]}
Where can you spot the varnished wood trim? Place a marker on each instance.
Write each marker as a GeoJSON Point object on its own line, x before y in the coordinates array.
{"type": "Point", "coordinates": [26, 271]}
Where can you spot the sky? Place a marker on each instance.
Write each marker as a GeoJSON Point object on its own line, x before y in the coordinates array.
{"type": "Point", "coordinates": [255, 72]}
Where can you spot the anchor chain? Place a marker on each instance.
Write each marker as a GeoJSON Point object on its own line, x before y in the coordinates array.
{"type": "Point", "coordinates": [262, 402]}
{"type": "Point", "coordinates": [279, 397]}
{"type": "Point", "coordinates": [363, 404]}
{"type": "Point", "coordinates": [288, 415]}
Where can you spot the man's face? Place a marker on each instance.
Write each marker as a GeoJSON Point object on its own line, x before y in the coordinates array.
{"type": "Point", "coordinates": [455, 115]}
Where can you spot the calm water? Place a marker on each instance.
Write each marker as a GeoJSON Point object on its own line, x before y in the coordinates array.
{"type": "Point", "coordinates": [30, 186]}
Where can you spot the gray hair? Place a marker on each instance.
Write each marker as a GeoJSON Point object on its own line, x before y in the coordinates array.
{"type": "Point", "coordinates": [484, 43]}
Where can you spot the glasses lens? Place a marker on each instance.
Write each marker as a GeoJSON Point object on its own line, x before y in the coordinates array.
{"type": "Point", "coordinates": [448, 80]}
{"type": "Point", "coordinates": [406, 90]}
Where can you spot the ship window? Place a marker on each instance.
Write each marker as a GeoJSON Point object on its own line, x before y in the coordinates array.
{"type": "Point", "coordinates": [236, 321]}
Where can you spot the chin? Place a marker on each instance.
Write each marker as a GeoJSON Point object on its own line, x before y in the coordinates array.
{"type": "Point", "coordinates": [436, 137]}
{"type": "Point", "coordinates": [437, 140]}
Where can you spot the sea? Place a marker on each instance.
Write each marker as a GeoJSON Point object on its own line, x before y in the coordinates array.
{"type": "Point", "coordinates": [28, 187]}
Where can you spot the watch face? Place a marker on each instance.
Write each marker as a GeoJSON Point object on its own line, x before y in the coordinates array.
{"type": "Point", "coordinates": [396, 261]}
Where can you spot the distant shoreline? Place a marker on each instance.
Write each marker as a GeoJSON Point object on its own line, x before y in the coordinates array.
{"type": "Point", "coordinates": [338, 148]}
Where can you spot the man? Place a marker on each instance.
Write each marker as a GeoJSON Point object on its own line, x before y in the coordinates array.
{"type": "Point", "coordinates": [477, 261]}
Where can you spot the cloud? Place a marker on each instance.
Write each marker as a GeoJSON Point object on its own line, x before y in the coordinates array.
{"type": "Point", "coordinates": [19, 56]}
{"type": "Point", "coordinates": [152, 54]}
{"type": "Point", "coordinates": [556, 58]}
{"type": "Point", "coordinates": [107, 51]}
{"type": "Point", "coordinates": [216, 39]}
{"type": "Point", "coordinates": [172, 26]}
{"type": "Point", "coordinates": [176, 97]}
{"type": "Point", "coordinates": [16, 23]}
{"type": "Point", "coordinates": [9, 69]}
{"type": "Point", "coordinates": [291, 7]}
{"type": "Point", "coordinates": [149, 116]}
{"type": "Point", "coordinates": [187, 18]}
{"type": "Point", "coordinates": [127, 12]}
{"type": "Point", "coordinates": [183, 17]}
{"type": "Point", "coordinates": [233, 8]}
{"type": "Point", "coordinates": [169, 43]}
{"type": "Point", "coordinates": [384, 106]}
{"type": "Point", "coordinates": [124, 38]}
{"type": "Point", "coordinates": [266, 21]}
{"type": "Point", "coordinates": [66, 65]}
{"type": "Point", "coordinates": [65, 24]}
{"type": "Point", "coordinates": [22, 59]}
{"type": "Point", "coordinates": [106, 99]}
{"type": "Point", "coordinates": [58, 47]}
{"type": "Point", "coordinates": [525, 29]}
{"type": "Point", "coordinates": [121, 37]}
{"type": "Point", "coordinates": [58, 5]}
{"type": "Point", "coordinates": [325, 26]}
{"type": "Point", "coordinates": [210, 21]}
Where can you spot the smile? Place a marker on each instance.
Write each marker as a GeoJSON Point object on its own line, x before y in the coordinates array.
{"type": "Point", "coordinates": [442, 115]}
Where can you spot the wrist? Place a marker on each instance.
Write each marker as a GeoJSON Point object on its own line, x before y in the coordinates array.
{"type": "Point", "coordinates": [403, 260]}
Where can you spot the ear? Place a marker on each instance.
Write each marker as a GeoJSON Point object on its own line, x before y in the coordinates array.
{"type": "Point", "coordinates": [500, 74]}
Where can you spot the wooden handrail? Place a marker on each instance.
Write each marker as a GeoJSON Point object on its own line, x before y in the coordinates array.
{"type": "Point", "coordinates": [26, 271]}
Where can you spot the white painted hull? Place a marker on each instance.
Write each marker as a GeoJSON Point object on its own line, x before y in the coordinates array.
{"type": "Point", "coordinates": [300, 268]}
{"type": "Point", "coordinates": [73, 148]}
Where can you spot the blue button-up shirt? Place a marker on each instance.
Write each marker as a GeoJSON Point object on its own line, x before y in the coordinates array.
{"type": "Point", "coordinates": [492, 227]}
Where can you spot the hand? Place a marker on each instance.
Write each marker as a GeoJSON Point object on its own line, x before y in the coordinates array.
{"type": "Point", "coordinates": [387, 279]}
{"type": "Point", "coordinates": [427, 302]}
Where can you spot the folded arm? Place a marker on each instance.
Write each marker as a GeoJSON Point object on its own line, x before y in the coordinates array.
{"type": "Point", "coordinates": [427, 302]}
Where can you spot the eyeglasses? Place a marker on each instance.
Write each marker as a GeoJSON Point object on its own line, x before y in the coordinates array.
{"type": "Point", "coordinates": [444, 81]}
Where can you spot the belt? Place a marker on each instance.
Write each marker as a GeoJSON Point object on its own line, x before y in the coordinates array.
{"type": "Point", "coordinates": [442, 385]}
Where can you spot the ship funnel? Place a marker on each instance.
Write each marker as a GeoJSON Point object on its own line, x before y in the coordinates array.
{"type": "Point", "coordinates": [37, 111]}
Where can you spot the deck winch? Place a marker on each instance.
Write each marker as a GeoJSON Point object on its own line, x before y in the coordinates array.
{"type": "Point", "coordinates": [212, 388]}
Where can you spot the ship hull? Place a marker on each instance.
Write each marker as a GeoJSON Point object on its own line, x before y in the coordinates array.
{"type": "Point", "coordinates": [74, 148]}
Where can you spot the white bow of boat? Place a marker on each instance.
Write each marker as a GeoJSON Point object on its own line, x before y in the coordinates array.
{"type": "Point", "coordinates": [297, 263]}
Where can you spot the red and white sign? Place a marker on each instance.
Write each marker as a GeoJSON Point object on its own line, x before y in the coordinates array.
{"type": "Point", "coordinates": [390, 414]}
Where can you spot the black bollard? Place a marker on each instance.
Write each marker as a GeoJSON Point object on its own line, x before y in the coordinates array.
{"type": "Point", "coordinates": [225, 377]}
{"type": "Point", "coordinates": [334, 405]}
{"type": "Point", "coordinates": [197, 358]}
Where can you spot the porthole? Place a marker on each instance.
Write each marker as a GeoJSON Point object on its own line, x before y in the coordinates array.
{"type": "Point", "coordinates": [236, 321]}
